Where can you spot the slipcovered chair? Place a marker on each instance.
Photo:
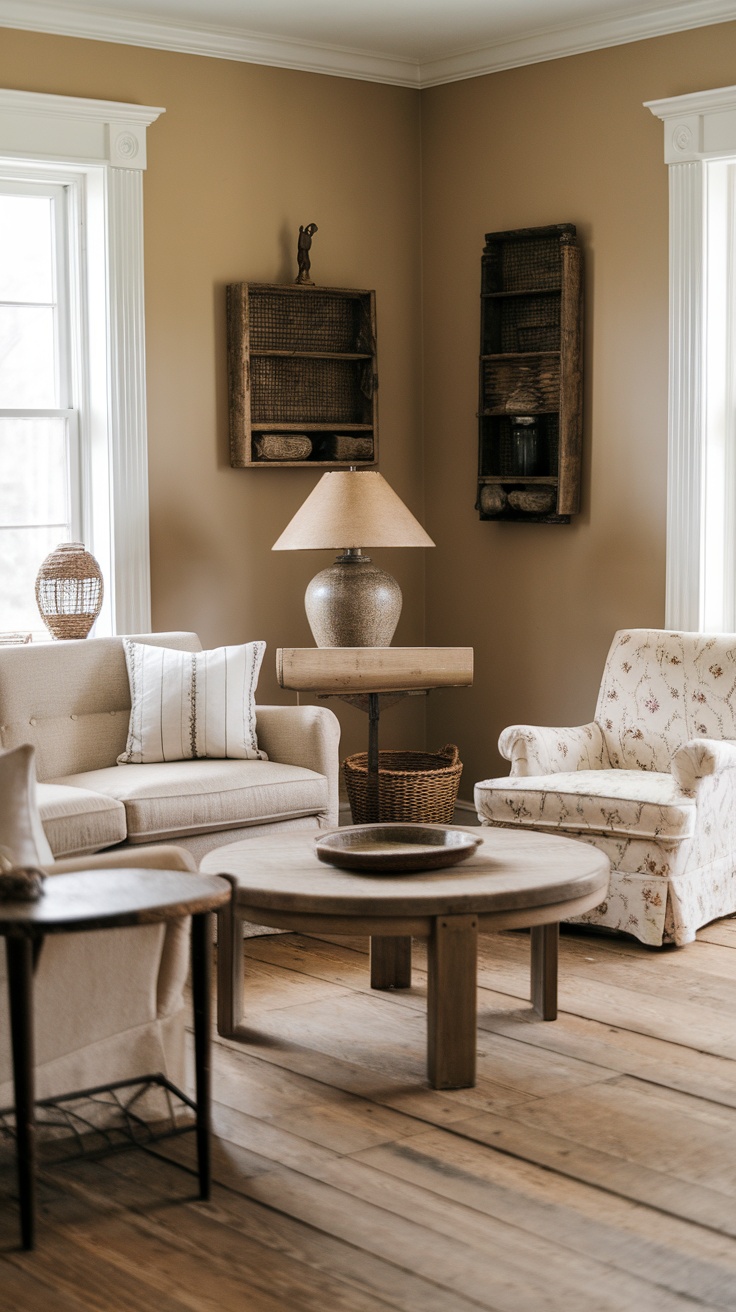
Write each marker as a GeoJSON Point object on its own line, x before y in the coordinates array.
{"type": "Point", "coordinates": [109, 1004]}
{"type": "Point", "coordinates": [651, 782]}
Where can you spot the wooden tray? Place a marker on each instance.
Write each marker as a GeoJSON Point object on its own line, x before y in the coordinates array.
{"type": "Point", "coordinates": [395, 848]}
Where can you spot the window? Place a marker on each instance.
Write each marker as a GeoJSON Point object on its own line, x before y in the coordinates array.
{"type": "Point", "coordinates": [73, 451]}
{"type": "Point", "coordinates": [700, 149]}
{"type": "Point", "coordinates": [40, 489]}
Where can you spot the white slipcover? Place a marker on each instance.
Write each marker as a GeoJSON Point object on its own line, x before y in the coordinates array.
{"type": "Point", "coordinates": [109, 1004]}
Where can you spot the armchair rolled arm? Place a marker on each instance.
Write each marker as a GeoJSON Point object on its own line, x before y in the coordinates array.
{"type": "Point", "coordinates": [164, 856]}
{"type": "Point", "coordinates": [699, 758]}
{"type": "Point", "coordinates": [308, 736]}
{"type": "Point", "coordinates": [537, 749]}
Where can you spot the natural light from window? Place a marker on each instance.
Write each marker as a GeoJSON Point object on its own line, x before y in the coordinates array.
{"type": "Point", "coordinates": [37, 453]}
{"type": "Point", "coordinates": [73, 440]}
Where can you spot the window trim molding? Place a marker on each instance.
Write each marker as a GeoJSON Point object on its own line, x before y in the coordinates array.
{"type": "Point", "coordinates": [106, 140]}
{"type": "Point", "coordinates": [698, 129]}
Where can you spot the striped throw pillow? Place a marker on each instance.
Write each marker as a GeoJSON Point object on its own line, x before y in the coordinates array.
{"type": "Point", "coordinates": [191, 704]}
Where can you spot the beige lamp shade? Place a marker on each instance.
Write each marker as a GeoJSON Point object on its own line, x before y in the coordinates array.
{"type": "Point", "coordinates": [352, 508]}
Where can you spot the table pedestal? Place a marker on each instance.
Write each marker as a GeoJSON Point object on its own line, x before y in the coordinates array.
{"type": "Point", "coordinates": [373, 678]}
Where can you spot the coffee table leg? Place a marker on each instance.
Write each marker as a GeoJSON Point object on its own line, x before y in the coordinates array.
{"type": "Point", "coordinates": [20, 994]}
{"type": "Point", "coordinates": [390, 963]}
{"type": "Point", "coordinates": [545, 944]}
{"type": "Point", "coordinates": [201, 975]}
{"type": "Point", "coordinates": [452, 989]}
{"type": "Point", "coordinates": [230, 968]}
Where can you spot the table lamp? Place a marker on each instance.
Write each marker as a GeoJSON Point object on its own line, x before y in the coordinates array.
{"type": "Point", "coordinates": [352, 603]}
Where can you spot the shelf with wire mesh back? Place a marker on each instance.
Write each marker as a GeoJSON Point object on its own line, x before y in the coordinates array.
{"type": "Point", "coordinates": [302, 374]}
{"type": "Point", "coordinates": [530, 402]}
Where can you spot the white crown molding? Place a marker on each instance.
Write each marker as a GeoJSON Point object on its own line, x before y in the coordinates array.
{"type": "Point", "coordinates": [217, 42]}
{"type": "Point", "coordinates": [559, 42]}
{"type": "Point", "coordinates": [69, 129]}
{"type": "Point", "coordinates": [338, 61]}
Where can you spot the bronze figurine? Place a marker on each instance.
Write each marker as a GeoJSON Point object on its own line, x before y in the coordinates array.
{"type": "Point", "coordinates": [302, 253]}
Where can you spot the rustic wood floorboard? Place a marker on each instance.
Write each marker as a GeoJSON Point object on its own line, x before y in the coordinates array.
{"type": "Point", "coordinates": [591, 1169]}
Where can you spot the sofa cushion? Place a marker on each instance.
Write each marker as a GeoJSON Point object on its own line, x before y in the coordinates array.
{"type": "Point", "coordinates": [77, 820]}
{"type": "Point", "coordinates": [187, 705]}
{"type": "Point", "coordinates": [637, 803]}
{"type": "Point", "coordinates": [173, 798]}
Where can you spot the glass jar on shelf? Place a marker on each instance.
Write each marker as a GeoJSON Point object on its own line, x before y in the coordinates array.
{"type": "Point", "coordinates": [526, 455]}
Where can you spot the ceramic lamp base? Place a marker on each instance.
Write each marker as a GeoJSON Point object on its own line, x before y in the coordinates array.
{"type": "Point", "coordinates": [353, 603]}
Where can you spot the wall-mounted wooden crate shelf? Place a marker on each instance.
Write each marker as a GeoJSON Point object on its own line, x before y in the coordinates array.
{"type": "Point", "coordinates": [530, 368]}
{"type": "Point", "coordinates": [302, 373]}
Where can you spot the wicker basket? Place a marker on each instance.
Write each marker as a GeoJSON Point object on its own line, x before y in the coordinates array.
{"type": "Point", "coordinates": [419, 786]}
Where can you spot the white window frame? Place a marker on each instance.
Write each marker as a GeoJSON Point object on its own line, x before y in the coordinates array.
{"type": "Point", "coordinates": [700, 151]}
{"type": "Point", "coordinates": [103, 143]}
{"type": "Point", "coordinates": [70, 330]}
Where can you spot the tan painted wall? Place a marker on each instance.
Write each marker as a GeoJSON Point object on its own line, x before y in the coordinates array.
{"type": "Point", "coordinates": [242, 156]}
{"type": "Point", "coordinates": [566, 141]}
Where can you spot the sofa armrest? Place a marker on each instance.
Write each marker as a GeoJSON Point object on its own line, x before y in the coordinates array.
{"type": "Point", "coordinates": [174, 962]}
{"type": "Point", "coordinates": [308, 736]}
{"type": "Point", "coordinates": [699, 758]}
{"type": "Point", "coordinates": [536, 749]}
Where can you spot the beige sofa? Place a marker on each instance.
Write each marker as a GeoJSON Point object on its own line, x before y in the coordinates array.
{"type": "Point", "coordinates": [71, 701]}
{"type": "Point", "coordinates": [110, 1004]}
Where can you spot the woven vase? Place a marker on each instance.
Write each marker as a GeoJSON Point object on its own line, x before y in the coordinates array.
{"type": "Point", "coordinates": [69, 591]}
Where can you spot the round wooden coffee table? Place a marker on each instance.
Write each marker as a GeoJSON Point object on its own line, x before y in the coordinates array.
{"type": "Point", "coordinates": [515, 879]}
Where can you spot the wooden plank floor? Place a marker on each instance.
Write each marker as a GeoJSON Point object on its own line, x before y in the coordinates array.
{"type": "Point", "coordinates": [592, 1169]}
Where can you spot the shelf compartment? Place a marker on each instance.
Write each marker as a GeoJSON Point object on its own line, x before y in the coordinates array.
{"type": "Point", "coordinates": [318, 390]}
{"type": "Point", "coordinates": [496, 456]}
{"type": "Point", "coordinates": [521, 386]}
{"type": "Point", "coordinates": [527, 259]}
{"type": "Point", "coordinates": [309, 318]}
{"type": "Point", "coordinates": [323, 447]}
{"type": "Point", "coordinates": [522, 324]}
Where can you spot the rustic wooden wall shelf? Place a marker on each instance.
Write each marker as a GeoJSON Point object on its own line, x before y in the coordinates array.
{"type": "Point", "coordinates": [302, 373]}
{"type": "Point", "coordinates": [531, 368]}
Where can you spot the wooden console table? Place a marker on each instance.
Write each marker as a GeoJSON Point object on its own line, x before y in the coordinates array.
{"type": "Point", "coordinates": [374, 678]}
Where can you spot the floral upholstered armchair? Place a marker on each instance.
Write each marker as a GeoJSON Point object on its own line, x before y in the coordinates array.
{"type": "Point", "coordinates": [651, 782]}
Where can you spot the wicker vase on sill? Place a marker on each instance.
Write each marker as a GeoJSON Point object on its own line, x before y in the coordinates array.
{"type": "Point", "coordinates": [69, 591]}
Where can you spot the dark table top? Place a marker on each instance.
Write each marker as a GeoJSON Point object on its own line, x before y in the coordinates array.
{"type": "Point", "coordinates": [106, 899]}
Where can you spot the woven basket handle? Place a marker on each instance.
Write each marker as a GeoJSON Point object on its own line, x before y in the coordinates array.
{"type": "Point", "coordinates": [451, 752]}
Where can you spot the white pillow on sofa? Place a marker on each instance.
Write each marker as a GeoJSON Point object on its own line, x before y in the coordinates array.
{"type": "Point", "coordinates": [190, 704]}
